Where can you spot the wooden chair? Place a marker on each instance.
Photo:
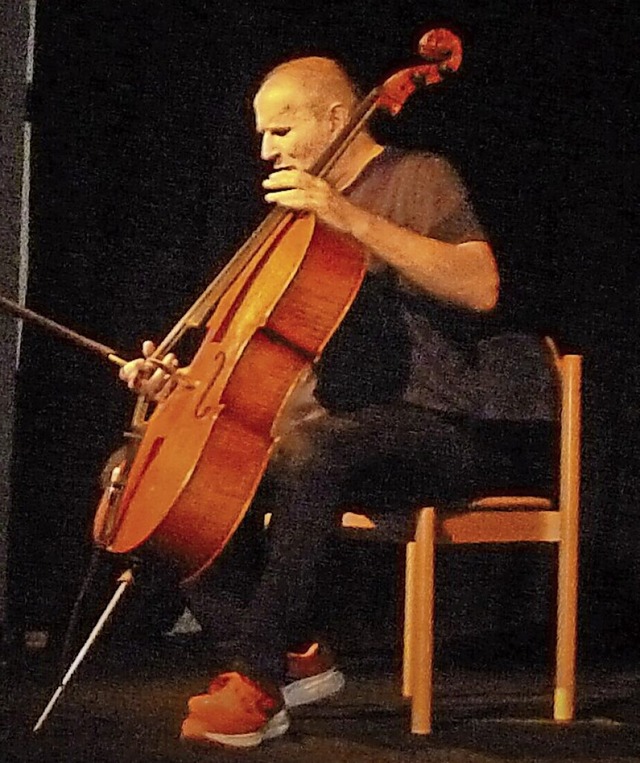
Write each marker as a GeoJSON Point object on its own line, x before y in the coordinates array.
{"type": "Point", "coordinates": [496, 520]}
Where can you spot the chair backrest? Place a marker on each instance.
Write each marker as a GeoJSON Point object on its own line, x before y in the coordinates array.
{"type": "Point", "coordinates": [569, 372]}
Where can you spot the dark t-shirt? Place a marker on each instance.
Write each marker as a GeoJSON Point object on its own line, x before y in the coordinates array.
{"type": "Point", "coordinates": [397, 343]}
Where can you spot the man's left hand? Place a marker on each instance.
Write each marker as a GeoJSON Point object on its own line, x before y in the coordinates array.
{"type": "Point", "coordinates": [300, 191]}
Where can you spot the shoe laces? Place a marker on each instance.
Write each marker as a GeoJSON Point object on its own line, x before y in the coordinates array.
{"type": "Point", "coordinates": [249, 693]}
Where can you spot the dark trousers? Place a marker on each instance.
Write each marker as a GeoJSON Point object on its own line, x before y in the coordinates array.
{"type": "Point", "coordinates": [390, 457]}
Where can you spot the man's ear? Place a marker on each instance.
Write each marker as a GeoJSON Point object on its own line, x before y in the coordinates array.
{"type": "Point", "coordinates": [339, 117]}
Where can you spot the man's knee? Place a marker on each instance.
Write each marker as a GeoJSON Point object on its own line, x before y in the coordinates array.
{"type": "Point", "coordinates": [308, 447]}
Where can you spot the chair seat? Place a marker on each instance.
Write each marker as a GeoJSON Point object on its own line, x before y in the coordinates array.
{"type": "Point", "coordinates": [507, 502]}
{"type": "Point", "coordinates": [397, 527]}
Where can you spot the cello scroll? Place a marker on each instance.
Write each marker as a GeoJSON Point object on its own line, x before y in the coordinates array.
{"type": "Point", "coordinates": [442, 51]}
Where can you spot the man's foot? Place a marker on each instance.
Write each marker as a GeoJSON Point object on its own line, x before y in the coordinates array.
{"type": "Point", "coordinates": [312, 676]}
{"type": "Point", "coordinates": [236, 711]}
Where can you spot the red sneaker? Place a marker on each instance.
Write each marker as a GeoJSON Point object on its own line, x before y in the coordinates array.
{"type": "Point", "coordinates": [311, 675]}
{"type": "Point", "coordinates": [235, 712]}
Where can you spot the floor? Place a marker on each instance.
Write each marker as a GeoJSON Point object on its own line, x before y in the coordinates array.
{"type": "Point", "coordinates": [126, 701]}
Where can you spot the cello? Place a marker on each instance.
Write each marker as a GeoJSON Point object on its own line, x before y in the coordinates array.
{"type": "Point", "coordinates": [192, 469]}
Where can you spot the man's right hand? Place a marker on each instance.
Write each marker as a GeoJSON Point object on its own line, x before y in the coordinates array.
{"type": "Point", "coordinates": [153, 378]}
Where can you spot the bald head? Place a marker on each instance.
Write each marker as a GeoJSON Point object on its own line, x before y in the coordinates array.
{"type": "Point", "coordinates": [320, 83]}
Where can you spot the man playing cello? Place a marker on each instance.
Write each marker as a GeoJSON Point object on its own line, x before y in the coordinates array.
{"type": "Point", "coordinates": [397, 392]}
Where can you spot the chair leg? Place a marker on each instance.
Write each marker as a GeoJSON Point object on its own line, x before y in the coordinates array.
{"type": "Point", "coordinates": [422, 597]}
{"type": "Point", "coordinates": [408, 646]}
{"type": "Point", "coordinates": [565, 686]}
{"type": "Point", "coordinates": [568, 548]}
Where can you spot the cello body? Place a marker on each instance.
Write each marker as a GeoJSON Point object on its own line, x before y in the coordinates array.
{"type": "Point", "coordinates": [206, 447]}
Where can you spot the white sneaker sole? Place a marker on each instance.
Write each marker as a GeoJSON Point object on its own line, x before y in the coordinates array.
{"type": "Point", "coordinates": [275, 727]}
{"type": "Point", "coordinates": [313, 689]}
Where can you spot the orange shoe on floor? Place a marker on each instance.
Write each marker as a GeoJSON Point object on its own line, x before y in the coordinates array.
{"type": "Point", "coordinates": [311, 676]}
{"type": "Point", "coordinates": [235, 712]}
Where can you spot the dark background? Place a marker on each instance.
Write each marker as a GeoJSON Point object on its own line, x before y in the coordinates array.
{"type": "Point", "coordinates": [146, 178]}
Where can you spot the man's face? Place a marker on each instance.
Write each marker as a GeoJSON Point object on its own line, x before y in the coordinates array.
{"type": "Point", "coordinates": [292, 135]}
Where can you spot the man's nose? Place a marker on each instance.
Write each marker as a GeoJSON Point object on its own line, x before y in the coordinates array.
{"type": "Point", "coordinates": [268, 150]}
